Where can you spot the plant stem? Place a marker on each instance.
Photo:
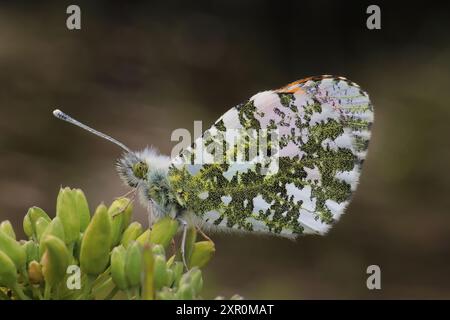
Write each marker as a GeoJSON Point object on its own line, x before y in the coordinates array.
{"type": "Point", "coordinates": [71, 247]}
{"type": "Point", "coordinates": [129, 295]}
{"type": "Point", "coordinates": [101, 286]}
{"type": "Point", "coordinates": [24, 273]}
{"type": "Point", "coordinates": [47, 291]}
{"type": "Point", "coordinates": [36, 292]}
{"type": "Point", "coordinates": [102, 278]}
{"type": "Point", "coordinates": [57, 292]}
{"type": "Point", "coordinates": [137, 293]}
{"type": "Point", "coordinates": [18, 291]}
{"type": "Point", "coordinates": [88, 286]}
{"type": "Point", "coordinates": [112, 293]}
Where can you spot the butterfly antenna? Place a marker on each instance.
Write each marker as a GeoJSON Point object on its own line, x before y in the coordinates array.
{"type": "Point", "coordinates": [61, 115]}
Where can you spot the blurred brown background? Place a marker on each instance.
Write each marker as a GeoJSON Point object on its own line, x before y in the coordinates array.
{"type": "Point", "coordinates": [139, 71]}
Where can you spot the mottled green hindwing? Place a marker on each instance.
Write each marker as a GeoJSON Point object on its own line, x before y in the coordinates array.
{"type": "Point", "coordinates": [323, 126]}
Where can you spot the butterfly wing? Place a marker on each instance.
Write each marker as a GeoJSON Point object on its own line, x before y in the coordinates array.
{"type": "Point", "coordinates": [323, 128]}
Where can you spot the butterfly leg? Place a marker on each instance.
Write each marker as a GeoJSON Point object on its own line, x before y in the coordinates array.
{"type": "Point", "coordinates": [127, 194]}
{"type": "Point", "coordinates": [183, 241]}
{"type": "Point", "coordinates": [174, 246]}
{"type": "Point", "coordinates": [203, 234]}
{"type": "Point", "coordinates": [131, 200]}
{"type": "Point", "coordinates": [151, 216]}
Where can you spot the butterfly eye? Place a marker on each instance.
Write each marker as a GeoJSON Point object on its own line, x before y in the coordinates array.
{"type": "Point", "coordinates": [140, 170]}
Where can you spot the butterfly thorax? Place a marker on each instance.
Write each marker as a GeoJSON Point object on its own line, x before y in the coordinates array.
{"type": "Point", "coordinates": [147, 172]}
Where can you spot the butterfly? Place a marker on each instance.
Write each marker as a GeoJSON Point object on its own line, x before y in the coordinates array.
{"type": "Point", "coordinates": [323, 127]}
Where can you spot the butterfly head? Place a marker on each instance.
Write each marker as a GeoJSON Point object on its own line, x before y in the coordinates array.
{"type": "Point", "coordinates": [146, 171]}
{"type": "Point", "coordinates": [140, 169]}
{"type": "Point", "coordinates": [142, 166]}
{"type": "Point", "coordinates": [133, 169]}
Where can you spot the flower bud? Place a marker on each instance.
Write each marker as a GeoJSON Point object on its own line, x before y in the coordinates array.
{"type": "Point", "coordinates": [77, 247]}
{"type": "Point", "coordinates": [201, 254]}
{"type": "Point", "coordinates": [133, 264]}
{"type": "Point", "coordinates": [131, 233]}
{"type": "Point", "coordinates": [118, 267]}
{"type": "Point", "coordinates": [33, 214]}
{"type": "Point", "coordinates": [66, 210]}
{"type": "Point", "coordinates": [158, 250]}
{"type": "Point", "coordinates": [13, 250]}
{"type": "Point", "coordinates": [191, 237]}
{"type": "Point", "coordinates": [165, 294]}
{"type": "Point", "coordinates": [177, 268]}
{"type": "Point", "coordinates": [8, 229]}
{"type": "Point", "coordinates": [185, 292]}
{"type": "Point", "coordinates": [35, 272]}
{"type": "Point", "coordinates": [55, 260]}
{"type": "Point", "coordinates": [170, 261]}
{"type": "Point", "coordinates": [160, 272]}
{"type": "Point", "coordinates": [147, 281]}
{"type": "Point", "coordinates": [55, 228]}
{"type": "Point", "coordinates": [8, 271]}
{"type": "Point", "coordinates": [32, 251]}
{"type": "Point", "coordinates": [192, 278]}
{"type": "Point", "coordinates": [82, 209]}
{"type": "Point", "coordinates": [127, 213]}
{"type": "Point", "coordinates": [120, 212]}
{"type": "Point", "coordinates": [144, 238]}
{"type": "Point", "coordinates": [169, 279]}
{"type": "Point", "coordinates": [196, 280]}
{"type": "Point", "coordinates": [163, 231]}
{"type": "Point", "coordinates": [27, 227]}
{"type": "Point", "coordinates": [40, 226]}
{"type": "Point", "coordinates": [185, 278]}
{"type": "Point", "coordinates": [96, 243]}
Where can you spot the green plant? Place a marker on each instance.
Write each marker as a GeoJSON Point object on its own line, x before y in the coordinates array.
{"type": "Point", "coordinates": [106, 256]}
